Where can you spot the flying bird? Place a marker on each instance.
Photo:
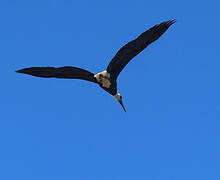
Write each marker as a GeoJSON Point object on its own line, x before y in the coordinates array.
{"type": "Point", "coordinates": [108, 78]}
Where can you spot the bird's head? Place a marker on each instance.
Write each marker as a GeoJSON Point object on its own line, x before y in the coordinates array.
{"type": "Point", "coordinates": [118, 97]}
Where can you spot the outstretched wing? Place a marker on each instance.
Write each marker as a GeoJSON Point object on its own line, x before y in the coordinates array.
{"type": "Point", "coordinates": [130, 50]}
{"type": "Point", "coordinates": [66, 72]}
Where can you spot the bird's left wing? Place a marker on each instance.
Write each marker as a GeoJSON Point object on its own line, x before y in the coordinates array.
{"type": "Point", "coordinates": [130, 50]}
{"type": "Point", "coordinates": [66, 72]}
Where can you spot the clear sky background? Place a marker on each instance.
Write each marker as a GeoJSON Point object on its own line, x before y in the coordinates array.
{"type": "Point", "coordinates": [72, 129]}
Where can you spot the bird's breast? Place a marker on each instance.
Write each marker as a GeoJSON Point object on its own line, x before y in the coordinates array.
{"type": "Point", "coordinates": [105, 83]}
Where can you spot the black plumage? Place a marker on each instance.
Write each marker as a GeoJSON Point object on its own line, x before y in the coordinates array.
{"type": "Point", "coordinates": [107, 79]}
{"type": "Point", "coordinates": [66, 72]}
{"type": "Point", "coordinates": [131, 49]}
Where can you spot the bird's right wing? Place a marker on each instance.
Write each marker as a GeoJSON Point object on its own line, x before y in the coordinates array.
{"type": "Point", "coordinates": [131, 49]}
{"type": "Point", "coordinates": [66, 72]}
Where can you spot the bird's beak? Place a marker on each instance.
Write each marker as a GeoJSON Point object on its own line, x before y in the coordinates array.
{"type": "Point", "coordinates": [122, 105]}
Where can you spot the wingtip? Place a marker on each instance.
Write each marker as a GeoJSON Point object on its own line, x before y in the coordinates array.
{"type": "Point", "coordinates": [23, 70]}
{"type": "Point", "coordinates": [19, 71]}
{"type": "Point", "coordinates": [170, 22]}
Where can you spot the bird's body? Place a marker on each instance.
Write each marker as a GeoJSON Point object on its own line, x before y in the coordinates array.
{"type": "Point", "coordinates": [106, 82]}
{"type": "Point", "coordinates": [103, 78]}
{"type": "Point", "coordinates": [106, 79]}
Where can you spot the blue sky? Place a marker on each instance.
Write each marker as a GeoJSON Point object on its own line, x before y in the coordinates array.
{"type": "Point", "coordinates": [71, 129]}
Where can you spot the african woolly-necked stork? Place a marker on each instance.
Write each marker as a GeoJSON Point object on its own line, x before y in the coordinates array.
{"type": "Point", "coordinates": [108, 78]}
